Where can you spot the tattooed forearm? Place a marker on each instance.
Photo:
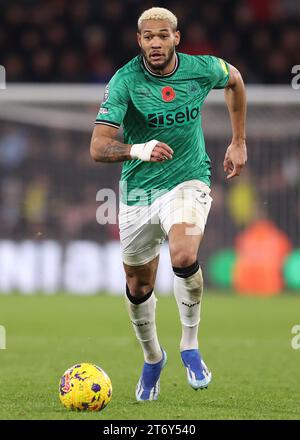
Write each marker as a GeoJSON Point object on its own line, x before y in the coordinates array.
{"type": "Point", "coordinates": [112, 151]}
{"type": "Point", "coordinates": [115, 153]}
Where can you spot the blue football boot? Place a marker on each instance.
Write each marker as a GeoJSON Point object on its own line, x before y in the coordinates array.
{"type": "Point", "coordinates": [198, 375]}
{"type": "Point", "coordinates": [148, 385]}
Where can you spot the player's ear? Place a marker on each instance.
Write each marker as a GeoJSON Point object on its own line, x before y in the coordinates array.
{"type": "Point", "coordinates": [177, 38]}
{"type": "Point", "coordinates": [138, 36]}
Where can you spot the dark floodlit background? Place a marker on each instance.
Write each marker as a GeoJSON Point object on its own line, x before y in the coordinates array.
{"type": "Point", "coordinates": [86, 41]}
{"type": "Point", "coordinates": [49, 237]}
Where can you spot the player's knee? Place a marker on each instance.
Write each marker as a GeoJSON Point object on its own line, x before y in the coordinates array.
{"type": "Point", "coordinates": [183, 259]}
{"type": "Point", "coordinates": [138, 288]}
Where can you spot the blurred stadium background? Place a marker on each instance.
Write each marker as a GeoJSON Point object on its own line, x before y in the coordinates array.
{"type": "Point", "coordinates": [58, 56]}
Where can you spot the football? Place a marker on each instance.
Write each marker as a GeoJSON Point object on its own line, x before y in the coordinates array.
{"type": "Point", "coordinates": [85, 387]}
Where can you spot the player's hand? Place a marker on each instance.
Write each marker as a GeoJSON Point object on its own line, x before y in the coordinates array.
{"type": "Point", "coordinates": [235, 158]}
{"type": "Point", "coordinates": [161, 152]}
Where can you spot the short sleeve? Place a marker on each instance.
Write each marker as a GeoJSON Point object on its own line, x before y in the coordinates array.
{"type": "Point", "coordinates": [219, 72]}
{"type": "Point", "coordinates": [115, 102]}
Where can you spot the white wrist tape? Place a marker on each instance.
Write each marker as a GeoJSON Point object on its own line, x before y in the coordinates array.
{"type": "Point", "coordinates": [143, 151]}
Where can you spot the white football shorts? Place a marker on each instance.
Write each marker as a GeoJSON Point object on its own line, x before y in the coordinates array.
{"type": "Point", "coordinates": [144, 228]}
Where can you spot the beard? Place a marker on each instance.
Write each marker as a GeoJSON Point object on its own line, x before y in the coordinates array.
{"type": "Point", "coordinates": [160, 66]}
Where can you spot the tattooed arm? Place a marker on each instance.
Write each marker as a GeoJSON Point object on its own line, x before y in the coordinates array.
{"type": "Point", "coordinates": [105, 148]}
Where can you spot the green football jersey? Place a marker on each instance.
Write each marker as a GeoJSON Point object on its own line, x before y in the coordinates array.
{"type": "Point", "coordinates": [166, 108]}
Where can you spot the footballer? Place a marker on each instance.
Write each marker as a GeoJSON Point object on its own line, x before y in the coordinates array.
{"type": "Point", "coordinates": [165, 183]}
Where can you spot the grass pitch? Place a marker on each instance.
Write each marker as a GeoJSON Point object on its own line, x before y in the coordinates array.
{"type": "Point", "coordinates": [246, 342]}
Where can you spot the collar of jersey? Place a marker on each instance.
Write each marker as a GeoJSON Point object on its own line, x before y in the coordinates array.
{"type": "Point", "coordinates": [157, 75]}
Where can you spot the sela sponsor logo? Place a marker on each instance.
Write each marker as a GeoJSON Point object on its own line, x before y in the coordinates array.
{"type": "Point", "coordinates": [169, 118]}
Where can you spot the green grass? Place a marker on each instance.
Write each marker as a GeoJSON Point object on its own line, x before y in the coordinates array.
{"type": "Point", "coordinates": [245, 341]}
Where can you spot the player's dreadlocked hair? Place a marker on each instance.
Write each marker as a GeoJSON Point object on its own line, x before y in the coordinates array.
{"type": "Point", "coordinates": [158, 14]}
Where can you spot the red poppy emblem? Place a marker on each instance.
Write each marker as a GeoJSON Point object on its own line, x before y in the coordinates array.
{"type": "Point", "coordinates": [168, 94]}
